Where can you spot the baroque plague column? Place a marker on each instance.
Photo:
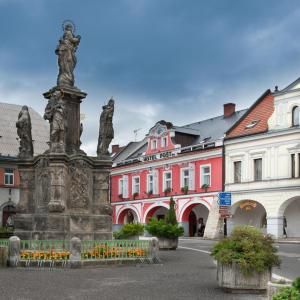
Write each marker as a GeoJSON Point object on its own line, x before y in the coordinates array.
{"type": "Point", "coordinates": [64, 193]}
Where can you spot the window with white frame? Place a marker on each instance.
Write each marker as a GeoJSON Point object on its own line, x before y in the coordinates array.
{"type": "Point", "coordinates": [153, 144]}
{"type": "Point", "coordinates": [164, 142]}
{"type": "Point", "coordinates": [167, 183]}
{"type": "Point", "coordinates": [205, 175]}
{"type": "Point", "coordinates": [150, 183]}
{"type": "Point", "coordinates": [9, 177]}
{"type": "Point", "coordinates": [295, 165]}
{"type": "Point", "coordinates": [296, 116]}
{"type": "Point", "coordinates": [135, 185]}
{"type": "Point", "coordinates": [185, 177]}
{"type": "Point", "coordinates": [257, 169]}
{"type": "Point", "coordinates": [237, 171]}
{"type": "Point", "coordinates": [121, 186]}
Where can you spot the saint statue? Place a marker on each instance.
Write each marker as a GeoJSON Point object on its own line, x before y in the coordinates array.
{"type": "Point", "coordinates": [106, 131]}
{"type": "Point", "coordinates": [24, 132]}
{"type": "Point", "coordinates": [66, 49]}
{"type": "Point", "coordinates": [55, 114]}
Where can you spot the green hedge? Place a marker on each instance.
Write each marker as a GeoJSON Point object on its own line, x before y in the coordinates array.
{"type": "Point", "coordinates": [129, 230]}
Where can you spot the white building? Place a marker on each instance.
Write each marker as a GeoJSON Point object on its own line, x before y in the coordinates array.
{"type": "Point", "coordinates": [262, 163]}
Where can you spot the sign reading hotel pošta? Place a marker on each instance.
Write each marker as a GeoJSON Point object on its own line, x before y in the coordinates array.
{"type": "Point", "coordinates": [158, 156]}
{"type": "Point", "coordinates": [224, 199]}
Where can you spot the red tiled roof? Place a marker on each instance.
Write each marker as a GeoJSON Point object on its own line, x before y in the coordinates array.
{"type": "Point", "coordinates": [258, 114]}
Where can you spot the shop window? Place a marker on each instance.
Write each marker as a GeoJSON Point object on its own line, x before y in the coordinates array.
{"type": "Point", "coordinates": [237, 169]}
{"type": "Point", "coordinates": [257, 169]}
{"type": "Point", "coordinates": [296, 116]}
{"type": "Point", "coordinates": [9, 177]}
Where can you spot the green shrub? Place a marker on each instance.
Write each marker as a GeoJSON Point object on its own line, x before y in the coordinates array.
{"type": "Point", "coordinates": [171, 215]}
{"type": "Point", "coordinates": [162, 229]}
{"type": "Point", "coordinates": [129, 230]}
{"type": "Point", "coordinates": [249, 248]}
{"type": "Point", "coordinates": [289, 293]}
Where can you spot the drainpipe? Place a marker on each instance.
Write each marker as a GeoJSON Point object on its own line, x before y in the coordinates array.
{"type": "Point", "coordinates": [223, 181]}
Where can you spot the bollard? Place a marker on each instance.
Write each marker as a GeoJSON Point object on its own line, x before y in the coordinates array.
{"type": "Point", "coordinates": [75, 253]}
{"type": "Point", "coordinates": [154, 249]}
{"type": "Point", "coordinates": [14, 251]}
{"type": "Point", "coordinates": [3, 256]}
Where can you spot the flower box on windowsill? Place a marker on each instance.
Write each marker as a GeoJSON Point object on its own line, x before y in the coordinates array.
{"type": "Point", "coordinates": [205, 187]}
{"type": "Point", "coordinates": [167, 191]}
{"type": "Point", "coordinates": [150, 193]}
{"type": "Point", "coordinates": [185, 190]}
{"type": "Point", "coordinates": [135, 195]}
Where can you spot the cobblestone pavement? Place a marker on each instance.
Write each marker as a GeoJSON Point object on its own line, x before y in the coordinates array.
{"type": "Point", "coordinates": [183, 274]}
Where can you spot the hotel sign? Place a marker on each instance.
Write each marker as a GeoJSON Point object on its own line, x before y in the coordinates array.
{"type": "Point", "coordinates": [159, 156]}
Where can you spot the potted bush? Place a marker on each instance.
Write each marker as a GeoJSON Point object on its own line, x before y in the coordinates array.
{"type": "Point", "coordinates": [130, 231]}
{"type": "Point", "coordinates": [135, 195]}
{"type": "Point", "coordinates": [245, 260]}
{"type": "Point", "coordinates": [167, 231]}
{"type": "Point", "coordinates": [150, 193]}
{"type": "Point", "coordinates": [205, 187]}
{"type": "Point", "coordinates": [185, 189]}
{"type": "Point", "coordinates": [167, 191]}
{"type": "Point", "coordinates": [289, 293]}
{"type": "Point", "coordinates": [121, 196]}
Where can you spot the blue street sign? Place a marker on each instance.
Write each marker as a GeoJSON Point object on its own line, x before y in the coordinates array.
{"type": "Point", "coordinates": [225, 199]}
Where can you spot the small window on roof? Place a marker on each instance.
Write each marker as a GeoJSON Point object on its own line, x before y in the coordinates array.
{"type": "Point", "coordinates": [251, 124]}
{"type": "Point", "coordinates": [206, 139]}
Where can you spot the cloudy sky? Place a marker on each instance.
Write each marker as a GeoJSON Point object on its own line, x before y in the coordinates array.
{"type": "Point", "coordinates": [177, 60]}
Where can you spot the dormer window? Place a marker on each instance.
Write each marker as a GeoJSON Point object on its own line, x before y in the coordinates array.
{"type": "Point", "coordinates": [154, 144]}
{"type": "Point", "coordinates": [295, 116]}
{"type": "Point", "coordinates": [252, 124]}
{"type": "Point", "coordinates": [164, 142]}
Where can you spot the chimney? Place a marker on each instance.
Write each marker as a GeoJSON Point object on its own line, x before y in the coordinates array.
{"type": "Point", "coordinates": [115, 149]}
{"type": "Point", "coordinates": [229, 109]}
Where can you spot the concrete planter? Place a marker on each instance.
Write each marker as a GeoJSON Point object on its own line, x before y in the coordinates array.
{"type": "Point", "coordinates": [232, 280]}
{"type": "Point", "coordinates": [167, 244]}
{"type": "Point", "coordinates": [274, 287]}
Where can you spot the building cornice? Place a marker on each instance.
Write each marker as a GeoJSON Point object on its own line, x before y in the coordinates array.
{"type": "Point", "coordinates": [174, 160]}
{"type": "Point", "coordinates": [263, 135]}
{"type": "Point", "coordinates": [160, 199]}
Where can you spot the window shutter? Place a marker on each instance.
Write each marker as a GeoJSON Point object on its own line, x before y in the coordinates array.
{"type": "Point", "coordinates": [155, 182]}
{"type": "Point", "coordinates": [192, 177]}
{"type": "Point", "coordinates": [125, 186]}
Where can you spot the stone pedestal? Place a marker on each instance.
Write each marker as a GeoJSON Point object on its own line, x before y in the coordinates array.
{"type": "Point", "coordinates": [64, 196]}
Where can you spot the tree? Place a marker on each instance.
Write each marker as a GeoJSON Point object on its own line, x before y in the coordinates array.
{"type": "Point", "coordinates": [171, 215]}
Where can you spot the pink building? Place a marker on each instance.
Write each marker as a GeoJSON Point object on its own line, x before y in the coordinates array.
{"type": "Point", "coordinates": [183, 162]}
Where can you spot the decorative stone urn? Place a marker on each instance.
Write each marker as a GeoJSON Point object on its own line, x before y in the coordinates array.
{"type": "Point", "coordinates": [168, 244]}
{"type": "Point", "coordinates": [231, 278]}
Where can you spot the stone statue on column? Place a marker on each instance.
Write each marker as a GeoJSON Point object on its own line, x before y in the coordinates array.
{"type": "Point", "coordinates": [65, 51]}
{"type": "Point", "coordinates": [55, 114]}
{"type": "Point", "coordinates": [106, 131]}
{"type": "Point", "coordinates": [24, 132]}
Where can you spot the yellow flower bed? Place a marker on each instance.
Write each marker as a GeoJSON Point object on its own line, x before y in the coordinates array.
{"type": "Point", "coordinates": [99, 252]}
{"type": "Point", "coordinates": [104, 251]}
{"type": "Point", "coordinates": [44, 255]}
